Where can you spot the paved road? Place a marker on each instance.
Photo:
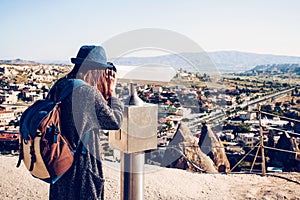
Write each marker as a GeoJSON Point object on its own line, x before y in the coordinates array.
{"type": "Point", "coordinates": [216, 117]}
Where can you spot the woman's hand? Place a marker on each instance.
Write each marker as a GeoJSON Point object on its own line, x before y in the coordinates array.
{"type": "Point", "coordinates": [111, 82]}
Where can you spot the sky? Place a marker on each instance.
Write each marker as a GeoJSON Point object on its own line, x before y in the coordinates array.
{"type": "Point", "coordinates": [54, 30]}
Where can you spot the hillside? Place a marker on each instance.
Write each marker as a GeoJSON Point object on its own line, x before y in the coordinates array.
{"type": "Point", "coordinates": [224, 61]}
{"type": "Point", "coordinates": [241, 61]}
{"type": "Point", "coordinates": [275, 69]}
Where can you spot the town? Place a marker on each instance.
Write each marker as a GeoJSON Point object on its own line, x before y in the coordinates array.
{"type": "Point", "coordinates": [225, 103]}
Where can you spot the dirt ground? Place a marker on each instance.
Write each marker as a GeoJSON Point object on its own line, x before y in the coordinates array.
{"type": "Point", "coordinates": [161, 183]}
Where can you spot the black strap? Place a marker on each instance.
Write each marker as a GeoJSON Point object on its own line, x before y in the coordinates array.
{"type": "Point", "coordinates": [82, 143]}
{"type": "Point", "coordinates": [33, 158]}
{"type": "Point", "coordinates": [21, 155]}
{"type": "Point", "coordinates": [62, 88]}
{"type": "Point", "coordinates": [67, 90]}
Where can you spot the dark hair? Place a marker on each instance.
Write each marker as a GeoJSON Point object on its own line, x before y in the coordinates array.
{"type": "Point", "coordinates": [94, 77]}
{"type": "Point", "coordinates": [97, 79]}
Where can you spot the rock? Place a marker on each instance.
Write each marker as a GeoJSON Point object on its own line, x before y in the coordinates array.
{"type": "Point", "coordinates": [289, 161]}
{"type": "Point", "coordinates": [183, 152]}
{"type": "Point", "coordinates": [212, 146]}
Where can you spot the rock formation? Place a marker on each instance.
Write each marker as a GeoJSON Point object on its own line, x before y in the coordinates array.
{"type": "Point", "coordinates": [289, 161]}
{"type": "Point", "coordinates": [183, 152]}
{"type": "Point", "coordinates": [213, 147]}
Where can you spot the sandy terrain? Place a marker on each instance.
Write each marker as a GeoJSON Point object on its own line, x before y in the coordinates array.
{"type": "Point", "coordinates": [161, 183]}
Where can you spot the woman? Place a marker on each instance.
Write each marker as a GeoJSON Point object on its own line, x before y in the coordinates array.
{"type": "Point", "coordinates": [89, 109]}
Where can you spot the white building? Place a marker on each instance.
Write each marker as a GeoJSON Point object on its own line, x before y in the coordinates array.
{"type": "Point", "coordinates": [6, 117]}
{"type": "Point", "coordinates": [157, 89]}
{"type": "Point", "coordinates": [247, 138]}
{"type": "Point", "coordinates": [246, 115]}
{"type": "Point", "coordinates": [37, 97]}
{"type": "Point", "coordinates": [275, 122]}
{"type": "Point", "coordinates": [11, 97]}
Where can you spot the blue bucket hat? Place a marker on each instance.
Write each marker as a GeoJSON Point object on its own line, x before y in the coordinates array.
{"type": "Point", "coordinates": [91, 57]}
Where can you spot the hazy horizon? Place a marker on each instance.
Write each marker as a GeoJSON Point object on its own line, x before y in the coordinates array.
{"type": "Point", "coordinates": [150, 56]}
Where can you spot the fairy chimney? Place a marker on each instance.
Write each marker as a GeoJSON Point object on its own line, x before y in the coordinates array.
{"type": "Point", "coordinates": [183, 152]}
{"type": "Point", "coordinates": [212, 146]}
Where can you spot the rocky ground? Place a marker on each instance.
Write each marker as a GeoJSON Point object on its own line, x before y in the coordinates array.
{"type": "Point", "coordinates": [161, 183]}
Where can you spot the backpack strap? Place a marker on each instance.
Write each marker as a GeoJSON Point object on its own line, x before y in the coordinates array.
{"type": "Point", "coordinates": [33, 157]}
{"type": "Point", "coordinates": [82, 142]}
{"type": "Point", "coordinates": [69, 87]}
{"type": "Point", "coordinates": [21, 154]}
{"type": "Point", "coordinates": [62, 88]}
{"type": "Point", "coordinates": [67, 90]}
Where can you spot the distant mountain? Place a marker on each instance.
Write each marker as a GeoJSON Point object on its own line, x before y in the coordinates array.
{"type": "Point", "coordinates": [18, 61]}
{"type": "Point", "coordinates": [55, 62]}
{"type": "Point", "coordinates": [274, 69]}
{"type": "Point", "coordinates": [241, 61]}
{"type": "Point", "coordinates": [224, 61]}
{"type": "Point", "coordinates": [187, 61]}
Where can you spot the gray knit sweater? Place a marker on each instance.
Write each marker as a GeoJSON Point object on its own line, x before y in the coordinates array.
{"type": "Point", "coordinates": [85, 112]}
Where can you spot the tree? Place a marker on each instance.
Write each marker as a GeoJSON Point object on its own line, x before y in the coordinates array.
{"type": "Point", "coordinates": [296, 90]}
{"type": "Point", "coordinates": [293, 102]}
{"type": "Point", "coordinates": [267, 108]}
{"type": "Point", "coordinates": [243, 128]}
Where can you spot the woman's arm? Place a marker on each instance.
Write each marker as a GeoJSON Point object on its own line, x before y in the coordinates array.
{"type": "Point", "coordinates": [109, 113]}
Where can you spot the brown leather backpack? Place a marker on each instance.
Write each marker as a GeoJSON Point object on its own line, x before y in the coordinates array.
{"type": "Point", "coordinates": [45, 152]}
